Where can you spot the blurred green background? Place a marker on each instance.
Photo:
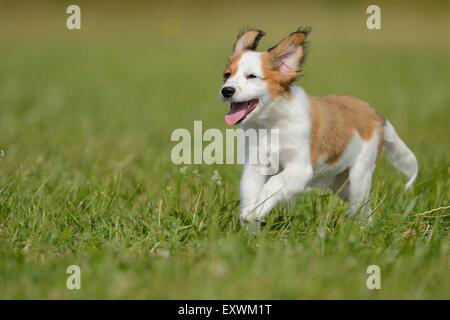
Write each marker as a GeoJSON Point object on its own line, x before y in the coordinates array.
{"type": "Point", "coordinates": [85, 170]}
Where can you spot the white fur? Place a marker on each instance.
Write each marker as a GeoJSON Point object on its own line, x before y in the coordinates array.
{"type": "Point", "coordinates": [259, 193]}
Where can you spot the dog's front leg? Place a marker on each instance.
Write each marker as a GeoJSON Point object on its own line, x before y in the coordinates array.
{"type": "Point", "coordinates": [281, 187]}
{"type": "Point", "coordinates": [252, 182]}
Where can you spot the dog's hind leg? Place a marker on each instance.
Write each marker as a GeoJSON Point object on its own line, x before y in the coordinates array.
{"type": "Point", "coordinates": [360, 177]}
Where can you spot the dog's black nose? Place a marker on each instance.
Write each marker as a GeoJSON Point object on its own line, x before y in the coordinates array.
{"type": "Point", "coordinates": [227, 92]}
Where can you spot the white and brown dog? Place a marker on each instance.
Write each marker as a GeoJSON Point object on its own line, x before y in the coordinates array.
{"type": "Point", "coordinates": [331, 141]}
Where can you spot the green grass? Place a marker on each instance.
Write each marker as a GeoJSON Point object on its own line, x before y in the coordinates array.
{"type": "Point", "coordinates": [86, 176]}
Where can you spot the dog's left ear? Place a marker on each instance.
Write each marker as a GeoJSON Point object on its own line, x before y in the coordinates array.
{"type": "Point", "coordinates": [247, 40]}
{"type": "Point", "coordinates": [288, 55]}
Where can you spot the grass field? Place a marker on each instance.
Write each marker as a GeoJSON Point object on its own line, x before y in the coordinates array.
{"type": "Point", "coordinates": [86, 176]}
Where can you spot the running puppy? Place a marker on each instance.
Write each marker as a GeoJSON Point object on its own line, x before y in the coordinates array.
{"type": "Point", "coordinates": [331, 141]}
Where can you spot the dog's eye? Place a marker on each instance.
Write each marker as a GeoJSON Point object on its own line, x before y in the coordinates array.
{"type": "Point", "coordinates": [226, 75]}
{"type": "Point", "coordinates": [251, 76]}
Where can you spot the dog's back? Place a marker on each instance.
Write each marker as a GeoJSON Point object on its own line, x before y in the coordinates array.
{"type": "Point", "coordinates": [334, 122]}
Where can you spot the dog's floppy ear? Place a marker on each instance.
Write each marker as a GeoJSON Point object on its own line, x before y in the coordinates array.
{"type": "Point", "coordinates": [247, 40]}
{"type": "Point", "coordinates": [288, 55]}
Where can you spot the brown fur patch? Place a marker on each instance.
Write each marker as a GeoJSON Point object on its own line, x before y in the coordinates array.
{"type": "Point", "coordinates": [278, 75]}
{"type": "Point", "coordinates": [275, 81]}
{"type": "Point", "coordinates": [291, 44]}
{"type": "Point", "coordinates": [248, 40]}
{"type": "Point", "coordinates": [334, 120]}
{"type": "Point", "coordinates": [232, 66]}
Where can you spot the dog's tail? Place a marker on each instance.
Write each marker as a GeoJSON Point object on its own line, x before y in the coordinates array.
{"type": "Point", "coordinates": [399, 155]}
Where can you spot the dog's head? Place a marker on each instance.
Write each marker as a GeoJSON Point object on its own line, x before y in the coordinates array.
{"type": "Point", "coordinates": [253, 79]}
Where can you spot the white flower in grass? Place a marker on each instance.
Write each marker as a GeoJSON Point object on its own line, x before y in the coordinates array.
{"type": "Point", "coordinates": [164, 253]}
{"type": "Point", "coordinates": [216, 179]}
{"type": "Point", "coordinates": [183, 170]}
{"type": "Point", "coordinates": [169, 189]}
{"type": "Point", "coordinates": [2, 153]}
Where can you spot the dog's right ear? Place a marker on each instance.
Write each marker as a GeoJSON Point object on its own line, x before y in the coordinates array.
{"type": "Point", "coordinates": [247, 40]}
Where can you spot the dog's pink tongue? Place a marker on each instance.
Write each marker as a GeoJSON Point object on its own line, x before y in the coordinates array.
{"type": "Point", "coordinates": [237, 112]}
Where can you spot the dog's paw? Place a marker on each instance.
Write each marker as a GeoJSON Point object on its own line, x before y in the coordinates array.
{"type": "Point", "coordinates": [253, 227]}
{"type": "Point", "coordinates": [250, 221]}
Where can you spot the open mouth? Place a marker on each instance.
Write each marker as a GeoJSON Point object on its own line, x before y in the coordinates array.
{"type": "Point", "coordinates": [239, 111]}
